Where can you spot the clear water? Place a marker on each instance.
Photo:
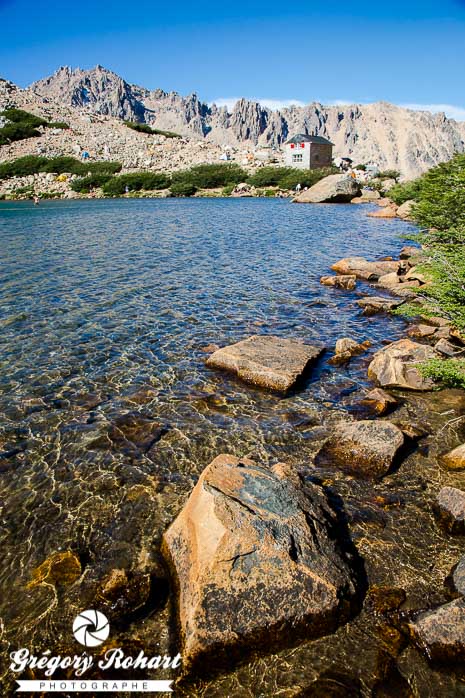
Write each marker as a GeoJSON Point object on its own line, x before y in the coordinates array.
{"type": "Point", "coordinates": [106, 307]}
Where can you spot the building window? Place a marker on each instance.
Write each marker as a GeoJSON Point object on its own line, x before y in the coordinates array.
{"type": "Point", "coordinates": [317, 158]}
{"type": "Point", "coordinates": [297, 157]}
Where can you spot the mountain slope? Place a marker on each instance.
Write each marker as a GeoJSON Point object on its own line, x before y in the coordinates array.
{"type": "Point", "coordinates": [382, 133]}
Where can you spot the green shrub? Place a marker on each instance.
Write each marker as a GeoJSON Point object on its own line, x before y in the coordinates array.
{"type": "Point", "coordinates": [288, 177]}
{"type": "Point", "coordinates": [408, 191]}
{"type": "Point", "coordinates": [228, 189]}
{"type": "Point", "coordinates": [211, 176]}
{"type": "Point", "coordinates": [32, 164]}
{"type": "Point", "coordinates": [360, 167]}
{"type": "Point", "coordinates": [185, 189]}
{"type": "Point", "coordinates": [145, 128]}
{"type": "Point", "coordinates": [450, 372]}
{"type": "Point", "coordinates": [58, 124]}
{"type": "Point", "coordinates": [136, 181]}
{"type": "Point", "coordinates": [86, 184]}
{"type": "Point", "coordinates": [389, 174]}
{"type": "Point", "coordinates": [17, 132]}
{"type": "Point", "coordinates": [18, 116]}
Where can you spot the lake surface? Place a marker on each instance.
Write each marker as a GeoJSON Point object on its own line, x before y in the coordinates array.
{"type": "Point", "coordinates": [106, 309]}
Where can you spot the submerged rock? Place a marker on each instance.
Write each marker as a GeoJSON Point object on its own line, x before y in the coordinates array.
{"type": "Point", "coordinates": [362, 269]}
{"type": "Point", "coordinates": [256, 561]}
{"type": "Point", "coordinates": [397, 366]}
{"type": "Point", "coordinates": [441, 632]}
{"type": "Point", "coordinates": [61, 568]}
{"type": "Point", "coordinates": [379, 401]}
{"type": "Point", "coordinates": [455, 459]}
{"type": "Point", "coordinates": [336, 188]}
{"type": "Point", "coordinates": [450, 509]}
{"type": "Point", "coordinates": [366, 448]}
{"type": "Point", "coordinates": [268, 362]}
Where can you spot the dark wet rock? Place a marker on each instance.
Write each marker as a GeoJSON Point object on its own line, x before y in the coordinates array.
{"type": "Point", "coordinates": [385, 598]}
{"type": "Point", "coordinates": [362, 269]}
{"type": "Point", "coordinates": [450, 509]}
{"type": "Point", "coordinates": [455, 459]}
{"type": "Point", "coordinates": [366, 448]}
{"type": "Point", "coordinates": [121, 593]}
{"type": "Point", "coordinates": [379, 401]}
{"type": "Point", "coordinates": [377, 304]}
{"type": "Point", "coordinates": [396, 366]}
{"type": "Point", "coordinates": [346, 348]}
{"type": "Point", "coordinates": [266, 361]}
{"type": "Point", "coordinates": [441, 632]}
{"type": "Point", "coordinates": [210, 348]}
{"type": "Point", "coordinates": [393, 685]}
{"type": "Point", "coordinates": [257, 560]}
{"type": "Point", "coordinates": [345, 281]}
{"type": "Point", "coordinates": [458, 577]}
{"type": "Point", "coordinates": [302, 420]}
{"type": "Point", "coordinates": [142, 396]}
{"type": "Point", "coordinates": [332, 685]}
{"type": "Point", "coordinates": [336, 188]}
{"type": "Point", "coordinates": [88, 401]}
{"type": "Point", "coordinates": [412, 430]}
{"type": "Point", "coordinates": [60, 568]}
{"type": "Point", "coordinates": [136, 429]}
{"type": "Point", "coordinates": [32, 405]}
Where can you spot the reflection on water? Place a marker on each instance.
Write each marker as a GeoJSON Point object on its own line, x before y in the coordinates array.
{"type": "Point", "coordinates": [108, 415]}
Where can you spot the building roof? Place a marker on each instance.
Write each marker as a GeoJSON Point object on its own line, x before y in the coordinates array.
{"type": "Point", "coordinates": [304, 138]}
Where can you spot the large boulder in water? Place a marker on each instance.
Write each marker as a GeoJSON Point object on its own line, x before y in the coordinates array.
{"type": "Point", "coordinates": [256, 561]}
{"type": "Point", "coordinates": [335, 189]}
{"type": "Point", "coordinates": [362, 269]}
{"type": "Point", "coordinates": [268, 362]}
{"type": "Point", "coordinates": [397, 365]}
{"type": "Point", "coordinates": [441, 632]}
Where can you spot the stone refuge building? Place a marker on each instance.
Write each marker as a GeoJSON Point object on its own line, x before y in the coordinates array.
{"type": "Point", "coordinates": [308, 152]}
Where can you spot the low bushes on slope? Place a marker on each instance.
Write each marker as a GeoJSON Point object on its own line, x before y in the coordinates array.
{"type": "Point", "coordinates": [21, 124]}
{"type": "Point", "coordinates": [288, 177]}
{"type": "Point", "coordinates": [210, 176]}
{"type": "Point", "coordinates": [145, 128]}
{"type": "Point", "coordinates": [33, 164]}
{"type": "Point", "coordinates": [136, 181]}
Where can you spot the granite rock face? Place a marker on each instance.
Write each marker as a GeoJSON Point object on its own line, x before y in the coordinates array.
{"type": "Point", "coordinates": [266, 361]}
{"type": "Point", "coordinates": [256, 561]}
{"type": "Point", "coordinates": [337, 188]}
{"type": "Point", "coordinates": [366, 448]}
{"type": "Point", "coordinates": [396, 366]}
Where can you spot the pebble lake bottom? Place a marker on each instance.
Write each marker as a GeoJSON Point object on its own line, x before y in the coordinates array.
{"type": "Point", "coordinates": [106, 306]}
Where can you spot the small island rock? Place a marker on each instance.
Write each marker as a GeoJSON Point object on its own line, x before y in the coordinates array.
{"type": "Point", "coordinates": [336, 188]}
{"type": "Point", "coordinates": [266, 361]}
{"type": "Point", "coordinates": [455, 459]}
{"type": "Point", "coordinates": [441, 632]}
{"type": "Point", "coordinates": [450, 509]}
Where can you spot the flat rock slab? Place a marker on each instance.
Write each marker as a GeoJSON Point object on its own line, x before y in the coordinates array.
{"type": "Point", "coordinates": [369, 271]}
{"type": "Point", "coordinates": [256, 561]}
{"type": "Point", "coordinates": [366, 448]}
{"type": "Point", "coordinates": [377, 304]}
{"type": "Point", "coordinates": [268, 362]}
{"type": "Point", "coordinates": [450, 509]}
{"type": "Point", "coordinates": [397, 366]}
{"type": "Point", "coordinates": [441, 632]}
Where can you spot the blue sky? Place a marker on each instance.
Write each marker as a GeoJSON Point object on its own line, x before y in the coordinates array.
{"type": "Point", "coordinates": [406, 52]}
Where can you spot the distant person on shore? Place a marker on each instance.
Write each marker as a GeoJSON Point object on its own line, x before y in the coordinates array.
{"type": "Point", "coordinates": [36, 200]}
{"type": "Point", "coordinates": [298, 188]}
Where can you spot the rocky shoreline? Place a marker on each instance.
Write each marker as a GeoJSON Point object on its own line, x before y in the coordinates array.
{"type": "Point", "coordinates": [231, 586]}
